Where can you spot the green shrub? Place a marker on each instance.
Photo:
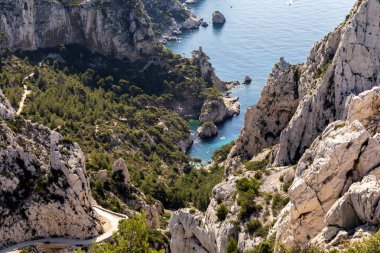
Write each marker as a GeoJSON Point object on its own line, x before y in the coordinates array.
{"type": "Point", "coordinates": [253, 225]}
{"type": "Point", "coordinates": [232, 246]}
{"type": "Point", "coordinates": [248, 190]}
{"type": "Point", "coordinates": [369, 245]}
{"type": "Point", "coordinates": [278, 203]}
{"type": "Point", "coordinates": [256, 165]}
{"type": "Point", "coordinates": [222, 212]}
{"type": "Point", "coordinates": [221, 154]}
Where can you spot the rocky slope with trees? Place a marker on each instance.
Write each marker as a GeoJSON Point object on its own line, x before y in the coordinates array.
{"type": "Point", "coordinates": [303, 174]}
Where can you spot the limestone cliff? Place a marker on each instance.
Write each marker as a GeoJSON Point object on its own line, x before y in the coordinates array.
{"type": "Point", "coordinates": [120, 29]}
{"type": "Point", "coordinates": [336, 185]}
{"type": "Point", "coordinates": [345, 62]}
{"type": "Point", "coordinates": [44, 191]}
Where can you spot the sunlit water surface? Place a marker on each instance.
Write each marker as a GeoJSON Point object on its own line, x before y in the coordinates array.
{"type": "Point", "coordinates": [257, 33]}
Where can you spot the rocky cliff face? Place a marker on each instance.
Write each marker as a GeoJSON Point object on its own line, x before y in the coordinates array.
{"type": "Point", "coordinates": [265, 121]}
{"type": "Point", "coordinates": [337, 178]}
{"type": "Point", "coordinates": [43, 188]}
{"type": "Point", "coordinates": [120, 29]}
{"type": "Point", "coordinates": [345, 62]}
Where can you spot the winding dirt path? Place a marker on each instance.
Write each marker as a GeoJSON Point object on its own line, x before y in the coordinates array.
{"type": "Point", "coordinates": [110, 226]}
{"type": "Point", "coordinates": [26, 93]}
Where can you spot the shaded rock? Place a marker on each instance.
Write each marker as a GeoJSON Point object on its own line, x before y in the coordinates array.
{"type": "Point", "coordinates": [120, 167]}
{"type": "Point", "coordinates": [247, 80]}
{"type": "Point", "coordinates": [102, 175]}
{"type": "Point", "coordinates": [204, 24]}
{"type": "Point", "coordinates": [218, 18]}
{"type": "Point", "coordinates": [265, 121]}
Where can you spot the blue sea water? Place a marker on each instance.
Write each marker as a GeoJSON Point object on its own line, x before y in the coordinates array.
{"type": "Point", "coordinates": [257, 33]}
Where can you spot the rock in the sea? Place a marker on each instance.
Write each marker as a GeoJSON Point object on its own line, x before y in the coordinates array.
{"type": "Point", "coordinates": [207, 129]}
{"type": "Point", "coordinates": [247, 80]}
{"type": "Point", "coordinates": [218, 18]}
{"type": "Point", "coordinates": [219, 110]}
{"type": "Point", "coordinates": [204, 24]}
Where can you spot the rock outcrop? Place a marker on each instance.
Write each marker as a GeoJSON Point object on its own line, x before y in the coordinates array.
{"type": "Point", "coordinates": [336, 185]}
{"type": "Point", "coordinates": [219, 110]}
{"type": "Point", "coordinates": [44, 191]}
{"type": "Point", "coordinates": [120, 29]}
{"type": "Point", "coordinates": [345, 62]}
{"type": "Point", "coordinates": [207, 129]}
{"type": "Point", "coordinates": [218, 18]}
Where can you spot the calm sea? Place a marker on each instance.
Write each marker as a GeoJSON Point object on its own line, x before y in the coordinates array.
{"type": "Point", "coordinates": [257, 33]}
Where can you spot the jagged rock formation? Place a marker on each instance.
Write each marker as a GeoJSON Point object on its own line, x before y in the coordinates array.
{"type": "Point", "coordinates": [345, 62]}
{"type": "Point", "coordinates": [336, 184]}
{"type": "Point", "coordinates": [120, 29]}
{"type": "Point", "coordinates": [44, 191]}
{"type": "Point", "coordinates": [265, 121]}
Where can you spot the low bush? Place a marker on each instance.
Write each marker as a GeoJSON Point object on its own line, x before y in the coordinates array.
{"type": "Point", "coordinates": [222, 212]}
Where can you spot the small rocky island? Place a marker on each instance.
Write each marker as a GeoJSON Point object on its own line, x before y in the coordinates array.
{"type": "Point", "coordinates": [218, 18]}
{"type": "Point", "coordinates": [207, 129]}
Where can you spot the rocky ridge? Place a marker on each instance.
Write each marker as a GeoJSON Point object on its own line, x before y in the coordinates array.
{"type": "Point", "coordinates": [112, 28]}
{"type": "Point", "coordinates": [44, 191]}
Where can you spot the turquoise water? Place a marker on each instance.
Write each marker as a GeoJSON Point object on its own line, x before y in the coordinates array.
{"type": "Point", "coordinates": [256, 35]}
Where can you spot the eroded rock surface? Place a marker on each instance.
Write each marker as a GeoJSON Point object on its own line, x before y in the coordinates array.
{"type": "Point", "coordinates": [44, 191]}
{"type": "Point", "coordinates": [117, 29]}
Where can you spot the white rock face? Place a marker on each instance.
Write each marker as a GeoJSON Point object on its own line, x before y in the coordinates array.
{"type": "Point", "coordinates": [336, 188]}
{"type": "Point", "coordinates": [6, 110]}
{"type": "Point", "coordinates": [112, 30]}
{"type": "Point", "coordinates": [43, 188]}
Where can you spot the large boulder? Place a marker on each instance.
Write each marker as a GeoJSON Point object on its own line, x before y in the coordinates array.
{"type": "Point", "coordinates": [218, 18]}
{"type": "Point", "coordinates": [207, 129]}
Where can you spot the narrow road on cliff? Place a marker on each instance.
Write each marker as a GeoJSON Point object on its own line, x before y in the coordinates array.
{"type": "Point", "coordinates": [26, 93]}
{"type": "Point", "coordinates": [111, 221]}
